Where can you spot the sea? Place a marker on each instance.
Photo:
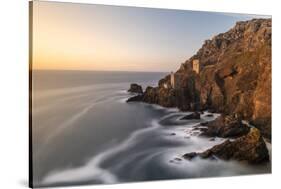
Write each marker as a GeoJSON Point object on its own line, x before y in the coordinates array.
{"type": "Point", "coordinates": [84, 132]}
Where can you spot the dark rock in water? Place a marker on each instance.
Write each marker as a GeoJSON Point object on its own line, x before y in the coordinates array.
{"type": "Point", "coordinates": [250, 148]}
{"type": "Point", "coordinates": [136, 98]}
{"type": "Point", "coordinates": [203, 129]}
{"type": "Point", "coordinates": [173, 134]}
{"type": "Point", "coordinates": [135, 88]}
{"type": "Point", "coordinates": [190, 156]}
{"type": "Point", "coordinates": [195, 115]}
{"type": "Point", "coordinates": [212, 111]}
{"type": "Point", "coordinates": [210, 115]}
{"type": "Point", "coordinates": [225, 126]}
{"type": "Point", "coordinates": [204, 123]}
{"type": "Point", "coordinates": [212, 139]}
{"type": "Point", "coordinates": [178, 159]}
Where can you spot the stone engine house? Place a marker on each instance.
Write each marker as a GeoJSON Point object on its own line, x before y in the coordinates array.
{"type": "Point", "coordinates": [196, 66]}
{"type": "Point", "coordinates": [175, 78]}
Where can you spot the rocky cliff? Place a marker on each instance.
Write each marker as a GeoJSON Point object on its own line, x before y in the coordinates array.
{"type": "Point", "coordinates": [234, 76]}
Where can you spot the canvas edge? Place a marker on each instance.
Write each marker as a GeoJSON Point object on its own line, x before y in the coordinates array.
{"type": "Point", "coordinates": [30, 151]}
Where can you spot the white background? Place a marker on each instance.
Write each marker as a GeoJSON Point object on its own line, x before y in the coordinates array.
{"type": "Point", "coordinates": [14, 92]}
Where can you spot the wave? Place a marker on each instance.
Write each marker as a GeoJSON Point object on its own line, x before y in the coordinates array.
{"type": "Point", "coordinates": [153, 153]}
{"type": "Point", "coordinates": [92, 169]}
{"type": "Point", "coordinates": [138, 149]}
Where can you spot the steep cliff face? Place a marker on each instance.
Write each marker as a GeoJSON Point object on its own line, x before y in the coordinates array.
{"type": "Point", "coordinates": [234, 77]}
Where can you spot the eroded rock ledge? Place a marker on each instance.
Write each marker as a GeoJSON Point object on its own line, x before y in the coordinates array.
{"type": "Point", "coordinates": [225, 126]}
{"type": "Point", "coordinates": [250, 148]}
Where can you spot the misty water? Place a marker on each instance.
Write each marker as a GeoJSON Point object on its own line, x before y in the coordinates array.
{"type": "Point", "coordinates": [84, 132]}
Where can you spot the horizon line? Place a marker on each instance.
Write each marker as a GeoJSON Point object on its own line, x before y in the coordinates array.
{"type": "Point", "coordinates": [99, 70]}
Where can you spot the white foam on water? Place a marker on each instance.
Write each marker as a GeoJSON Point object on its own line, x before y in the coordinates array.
{"type": "Point", "coordinates": [73, 119]}
{"type": "Point", "coordinates": [122, 92]}
{"type": "Point", "coordinates": [206, 168]}
{"type": "Point", "coordinates": [85, 173]}
{"type": "Point", "coordinates": [158, 107]}
{"type": "Point", "coordinates": [92, 170]}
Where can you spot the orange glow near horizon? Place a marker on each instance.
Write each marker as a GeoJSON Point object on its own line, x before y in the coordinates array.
{"type": "Point", "coordinates": [60, 43]}
{"type": "Point", "coordinates": [64, 40]}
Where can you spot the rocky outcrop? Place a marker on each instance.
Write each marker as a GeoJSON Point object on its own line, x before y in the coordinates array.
{"type": "Point", "coordinates": [135, 88]}
{"type": "Point", "coordinates": [250, 148]}
{"type": "Point", "coordinates": [234, 77]}
{"type": "Point", "coordinates": [224, 126]}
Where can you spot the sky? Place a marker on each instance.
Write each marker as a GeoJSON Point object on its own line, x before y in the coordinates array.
{"type": "Point", "coordinates": [71, 36]}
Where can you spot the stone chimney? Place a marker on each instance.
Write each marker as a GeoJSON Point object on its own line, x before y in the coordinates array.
{"type": "Point", "coordinates": [172, 79]}
{"type": "Point", "coordinates": [196, 66]}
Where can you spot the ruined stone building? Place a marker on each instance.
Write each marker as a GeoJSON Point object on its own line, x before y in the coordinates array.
{"type": "Point", "coordinates": [196, 66]}
{"type": "Point", "coordinates": [175, 80]}
{"type": "Point", "coordinates": [172, 79]}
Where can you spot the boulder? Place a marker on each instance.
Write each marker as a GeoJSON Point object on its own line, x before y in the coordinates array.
{"type": "Point", "coordinates": [135, 88]}
{"type": "Point", "coordinates": [250, 148]}
{"type": "Point", "coordinates": [225, 126]}
{"type": "Point", "coordinates": [190, 156]}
